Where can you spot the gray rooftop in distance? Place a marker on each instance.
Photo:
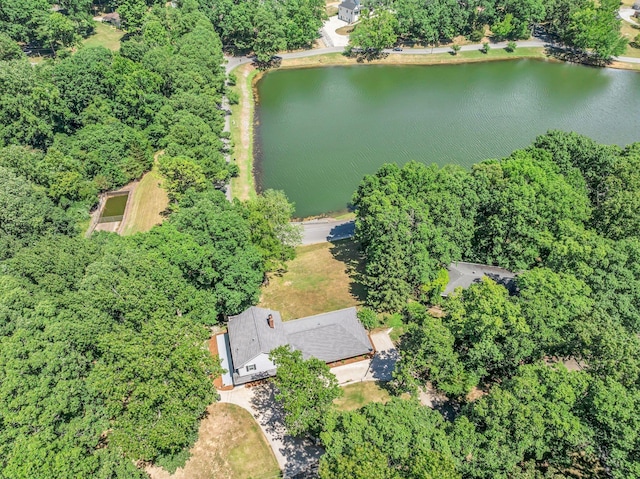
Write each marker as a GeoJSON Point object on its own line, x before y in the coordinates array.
{"type": "Point", "coordinates": [330, 336]}
{"type": "Point", "coordinates": [250, 334]}
{"type": "Point", "coordinates": [463, 275]}
{"type": "Point", "coordinates": [349, 4]}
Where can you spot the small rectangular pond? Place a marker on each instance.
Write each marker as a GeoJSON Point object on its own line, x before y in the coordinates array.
{"type": "Point", "coordinates": [114, 208]}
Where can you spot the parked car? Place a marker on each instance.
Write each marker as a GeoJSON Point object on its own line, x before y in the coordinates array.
{"type": "Point", "coordinates": [397, 49]}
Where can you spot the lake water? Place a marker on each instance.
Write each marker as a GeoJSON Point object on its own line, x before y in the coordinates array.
{"type": "Point", "coordinates": [320, 130]}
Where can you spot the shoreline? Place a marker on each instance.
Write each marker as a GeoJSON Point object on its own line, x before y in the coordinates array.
{"type": "Point", "coordinates": [244, 186]}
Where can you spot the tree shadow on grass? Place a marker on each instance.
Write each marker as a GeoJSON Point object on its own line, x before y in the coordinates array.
{"type": "Point", "coordinates": [300, 453]}
{"type": "Point", "coordinates": [348, 252]}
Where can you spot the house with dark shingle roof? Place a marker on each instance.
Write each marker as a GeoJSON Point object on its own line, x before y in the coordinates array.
{"type": "Point", "coordinates": [463, 275]}
{"type": "Point", "coordinates": [254, 333]}
{"type": "Point", "coordinates": [349, 11]}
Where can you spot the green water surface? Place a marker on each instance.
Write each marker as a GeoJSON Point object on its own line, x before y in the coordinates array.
{"type": "Point", "coordinates": [115, 206]}
{"type": "Point", "coordinates": [320, 130]}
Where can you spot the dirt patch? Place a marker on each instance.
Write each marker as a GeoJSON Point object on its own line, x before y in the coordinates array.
{"type": "Point", "coordinates": [230, 445]}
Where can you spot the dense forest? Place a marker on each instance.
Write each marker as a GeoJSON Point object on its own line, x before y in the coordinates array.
{"type": "Point", "coordinates": [103, 361]}
{"type": "Point", "coordinates": [583, 25]}
{"type": "Point", "coordinates": [563, 214]}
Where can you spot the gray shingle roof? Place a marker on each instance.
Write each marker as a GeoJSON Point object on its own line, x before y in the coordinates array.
{"type": "Point", "coordinates": [463, 275]}
{"type": "Point", "coordinates": [349, 4]}
{"type": "Point", "coordinates": [250, 334]}
{"type": "Point", "coordinates": [330, 336]}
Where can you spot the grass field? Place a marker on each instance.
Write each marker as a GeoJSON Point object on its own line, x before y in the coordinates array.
{"type": "Point", "coordinates": [630, 32]}
{"type": "Point", "coordinates": [359, 394]}
{"type": "Point", "coordinates": [148, 202]}
{"type": "Point", "coordinates": [230, 445]}
{"type": "Point", "coordinates": [243, 186]}
{"type": "Point", "coordinates": [323, 277]}
{"type": "Point", "coordinates": [106, 36]}
{"type": "Point", "coordinates": [408, 59]}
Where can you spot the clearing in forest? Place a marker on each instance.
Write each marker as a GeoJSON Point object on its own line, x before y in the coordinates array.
{"type": "Point", "coordinates": [148, 203]}
{"type": "Point", "coordinates": [360, 394]}
{"type": "Point", "coordinates": [230, 445]}
{"type": "Point", "coordinates": [105, 36]}
{"type": "Point", "coordinates": [323, 277]}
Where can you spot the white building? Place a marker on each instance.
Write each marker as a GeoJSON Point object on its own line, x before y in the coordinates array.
{"type": "Point", "coordinates": [349, 11]}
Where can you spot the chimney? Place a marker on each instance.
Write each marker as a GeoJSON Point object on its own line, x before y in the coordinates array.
{"type": "Point", "coordinates": [270, 321]}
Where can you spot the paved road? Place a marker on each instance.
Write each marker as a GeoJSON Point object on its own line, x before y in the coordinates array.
{"type": "Point", "coordinates": [626, 14]}
{"type": "Point", "coordinates": [380, 368]}
{"type": "Point", "coordinates": [323, 230]}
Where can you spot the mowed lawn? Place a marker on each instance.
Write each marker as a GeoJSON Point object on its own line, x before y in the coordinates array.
{"type": "Point", "coordinates": [148, 202]}
{"type": "Point", "coordinates": [230, 445]}
{"type": "Point", "coordinates": [106, 36]}
{"type": "Point", "coordinates": [322, 277]}
{"type": "Point", "coordinates": [360, 394]}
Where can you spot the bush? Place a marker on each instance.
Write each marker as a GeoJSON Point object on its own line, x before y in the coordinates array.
{"type": "Point", "coordinates": [476, 35]}
{"type": "Point", "coordinates": [368, 318]}
{"type": "Point", "coordinates": [485, 47]}
{"type": "Point", "coordinates": [511, 47]}
{"type": "Point", "coordinates": [233, 97]}
{"type": "Point", "coordinates": [455, 48]}
{"type": "Point", "coordinates": [232, 79]}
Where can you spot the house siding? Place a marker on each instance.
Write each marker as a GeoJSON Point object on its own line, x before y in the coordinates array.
{"type": "Point", "coordinates": [262, 362]}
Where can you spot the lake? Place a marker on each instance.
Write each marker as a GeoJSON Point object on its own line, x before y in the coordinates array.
{"type": "Point", "coordinates": [320, 130]}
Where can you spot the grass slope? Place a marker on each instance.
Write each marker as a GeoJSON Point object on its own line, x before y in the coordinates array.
{"type": "Point", "coordinates": [243, 186]}
{"type": "Point", "coordinates": [148, 202]}
{"type": "Point", "coordinates": [230, 445]}
{"type": "Point", "coordinates": [323, 277]}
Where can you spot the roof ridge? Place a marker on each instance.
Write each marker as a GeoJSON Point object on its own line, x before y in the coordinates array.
{"type": "Point", "coordinates": [325, 313]}
{"type": "Point", "coordinates": [255, 327]}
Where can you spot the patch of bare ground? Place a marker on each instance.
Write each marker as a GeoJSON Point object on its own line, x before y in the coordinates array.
{"type": "Point", "coordinates": [230, 445]}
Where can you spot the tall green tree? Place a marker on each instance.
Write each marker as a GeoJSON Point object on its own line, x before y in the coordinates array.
{"type": "Point", "coordinates": [306, 390]}
{"type": "Point", "coordinates": [270, 36]}
{"type": "Point", "coordinates": [375, 31]}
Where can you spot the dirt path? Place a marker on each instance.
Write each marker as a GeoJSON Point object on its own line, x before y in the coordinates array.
{"type": "Point", "coordinates": [243, 185]}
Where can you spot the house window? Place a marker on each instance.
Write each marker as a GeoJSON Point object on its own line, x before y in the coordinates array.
{"type": "Point", "coordinates": [251, 367]}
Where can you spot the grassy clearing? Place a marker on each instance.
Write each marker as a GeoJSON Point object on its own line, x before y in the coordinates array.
{"type": "Point", "coordinates": [630, 32]}
{"type": "Point", "coordinates": [323, 277]}
{"type": "Point", "coordinates": [331, 10]}
{"type": "Point", "coordinates": [230, 445]}
{"type": "Point", "coordinates": [360, 394]}
{"type": "Point", "coordinates": [243, 186]}
{"type": "Point", "coordinates": [148, 202]}
{"type": "Point", "coordinates": [105, 36]}
{"type": "Point", "coordinates": [417, 59]}
{"type": "Point", "coordinates": [346, 30]}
